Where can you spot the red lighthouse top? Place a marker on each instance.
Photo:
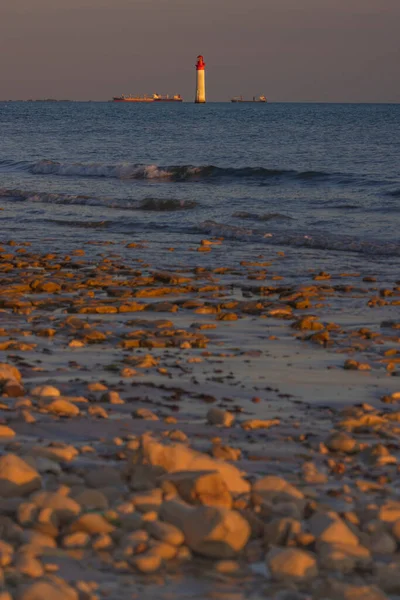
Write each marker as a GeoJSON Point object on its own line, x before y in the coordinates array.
{"type": "Point", "coordinates": [200, 65]}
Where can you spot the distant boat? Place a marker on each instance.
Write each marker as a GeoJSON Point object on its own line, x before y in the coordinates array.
{"type": "Point", "coordinates": [153, 98]}
{"type": "Point", "coordinates": [255, 99]}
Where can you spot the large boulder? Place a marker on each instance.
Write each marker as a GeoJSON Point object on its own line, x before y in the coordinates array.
{"type": "Point", "coordinates": [212, 531]}
{"type": "Point", "coordinates": [17, 478]}
{"type": "Point", "coordinates": [178, 457]}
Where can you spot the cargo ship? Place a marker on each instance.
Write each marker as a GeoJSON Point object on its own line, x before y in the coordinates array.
{"type": "Point", "coordinates": [255, 99]}
{"type": "Point", "coordinates": [152, 98]}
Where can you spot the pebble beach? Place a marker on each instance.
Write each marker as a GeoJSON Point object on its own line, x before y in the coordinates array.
{"type": "Point", "coordinates": [209, 414]}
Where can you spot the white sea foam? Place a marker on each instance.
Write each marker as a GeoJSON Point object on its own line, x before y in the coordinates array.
{"type": "Point", "coordinates": [118, 171]}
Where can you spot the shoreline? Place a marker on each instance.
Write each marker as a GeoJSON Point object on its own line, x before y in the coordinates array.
{"type": "Point", "coordinates": [284, 379]}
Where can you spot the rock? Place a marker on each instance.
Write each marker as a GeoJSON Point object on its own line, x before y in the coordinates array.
{"type": "Point", "coordinates": [178, 457]}
{"type": "Point", "coordinates": [8, 372]}
{"type": "Point", "coordinates": [291, 564]}
{"type": "Point", "coordinates": [29, 565]}
{"type": "Point", "coordinates": [382, 542]}
{"type": "Point", "coordinates": [6, 553]}
{"type": "Point", "coordinates": [378, 455]}
{"type": "Point", "coordinates": [43, 465]}
{"type": "Point", "coordinates": [6, 432]}
{"type": "Point", "coordinates": [343, 558]}
{"type": "Point", "coordinates": [329, 527]}
{"type": "Point", "coordinates": [62, 408]}
{"type": "Point", "coordinates": [281, 532]}
{"type": "Point", "coordinates": [162, 549]}
{"type": "Point", "coordinates": [333, 589]}
{"type": "Point", "coordinates": [135, 540]}
{"type": "Point", "coordinates": [79, 539]}
{"type": "Point", "coordinates": [224, 452]}
{"type": "Point", "coordinates": [131, 522]}
{"type": "Point", "coordinates": [91, 523]}
{"type": "Point", "coordinates": [388, 577]}
{"type": "Point", "coordinates": [37, 540]}
{"type": "Point", "coordinates": [27, 513]}
{"type": "Point", "coordinates": [45, 390]}
{"type": "Point", "coordinates": [216, 416]}
{"type": "Point", "coordinates": [178, 436]}
{"type": "Point", "coordinates": [92, 500]}
{"type": "Point", "coordinates": [54, 589]}
{"type": "Point", "coordinates": [103, 477]}
{"type": "Point", "coordinates": [17, 478]}
{"type": "Point", "coordinates": [165, 532]}
{"type": "Point", "coordinates": [274, 489]}
{"type": "Point", "coordinates": [13, 389]}
{"type": "Point", "coordinates": [97, 411]}
{"type": "Point", "coordinates": [227, 567]}
{"type": "Point", "coordinates": [56, 452]}
{"type": "Point", "coordinates": [342, 442]}
{"type": "Point", "coordinates": [390, 512]}
{"type": "Point", "coordinates": [200, 487]}
{"type": "Point", "coordinates": [102, 542]}
{"type": "Point", "coordinates": [312, 475]}
{"type": "Point", "coordinates": [145, 414]}
{"type": "Point", "coordinates": [148, 501]}
{"type": "Point", "coordinates": [112, 397]}
{"type": "Point", "coordinates": [146, 563]}
{"type": "Point", "coordinates": [211, 531]}
{"type": "Point", "coordinates": [251, 424]}
{"type": "Point", "coordinates": [65, 508]}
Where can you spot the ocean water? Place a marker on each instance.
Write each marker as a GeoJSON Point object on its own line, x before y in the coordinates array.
{"type": "Point", "coordinates": [320, 182]}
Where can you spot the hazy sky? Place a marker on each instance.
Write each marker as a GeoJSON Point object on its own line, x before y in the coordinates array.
{"type": "Point", "coordinates": [290, 50]}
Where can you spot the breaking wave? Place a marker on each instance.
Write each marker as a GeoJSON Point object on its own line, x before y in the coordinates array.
{"type": "Point", "coordinates": [145, 204]}
{"type": "Point", "coordinates": [156, 172]}
{"type": "Point", "coordinates": [318, 241]}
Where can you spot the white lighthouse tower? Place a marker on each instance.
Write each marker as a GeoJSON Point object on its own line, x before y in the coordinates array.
{"type": "Point", "coordinates": [200, 80]}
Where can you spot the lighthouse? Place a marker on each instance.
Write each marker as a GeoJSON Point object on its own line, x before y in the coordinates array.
{"type": "Point", "coordinates": [200, 81]}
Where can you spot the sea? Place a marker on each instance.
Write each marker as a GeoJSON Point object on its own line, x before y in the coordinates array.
{"type": "Point", "coordinates": [318, 182]}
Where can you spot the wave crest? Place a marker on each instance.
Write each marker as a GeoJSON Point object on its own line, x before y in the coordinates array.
{"type": "Point", "coordinates": [146, 204]}
{"type": "Point", "coordinates": [157, 172]}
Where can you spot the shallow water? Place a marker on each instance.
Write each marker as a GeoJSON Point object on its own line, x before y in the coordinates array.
{"type": "Point", "coordinates": [293, 176]}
